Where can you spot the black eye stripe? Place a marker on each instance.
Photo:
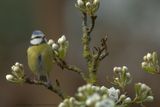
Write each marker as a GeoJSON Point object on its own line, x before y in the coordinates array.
{"type": "Point", "coordinates": [38, 37]}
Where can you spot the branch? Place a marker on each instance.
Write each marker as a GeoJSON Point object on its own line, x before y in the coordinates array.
{"type": "Point", "coordinates": [86, 38]}
{"type": "Point", "coordinates": [93, 19]}
{"type": "Point", "coordinates": [101, 53]}
{"type": "Point", "coordinates": [63, 64]}
{"type": "Point", "coordinates": [55, 89]}
{"type": "Point", "coordinates": [104, 49]}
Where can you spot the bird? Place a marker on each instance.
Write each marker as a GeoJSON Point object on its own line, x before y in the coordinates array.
{"type": "Point", "coordinates": [40, 56]}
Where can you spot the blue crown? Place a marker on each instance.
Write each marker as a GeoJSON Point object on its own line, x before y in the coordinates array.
{"type": "Point", "coordinates": [37, 33]}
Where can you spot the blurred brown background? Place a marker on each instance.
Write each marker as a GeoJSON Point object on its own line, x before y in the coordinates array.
{"type": "Point", "coordinates": [133, 25]}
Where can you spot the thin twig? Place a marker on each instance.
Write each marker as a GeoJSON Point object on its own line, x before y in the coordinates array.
{"type": "Point", "coordinates": [63, 64]}
{"type": "Point", "coordinates": [52, 88]}
{"type": "Point", "coordinates": [105, 48]}
{"type": "Point", "coordinates": [102, 51]}
{"type": "Point", "coordinates": [93, 19]}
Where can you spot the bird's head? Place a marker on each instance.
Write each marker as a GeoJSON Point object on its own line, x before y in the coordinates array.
{"type": "Point", "coordinates": [37, 38]}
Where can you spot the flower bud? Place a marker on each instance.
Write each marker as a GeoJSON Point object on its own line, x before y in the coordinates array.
{"type": "Point", "coordinates": [149, 98]}
{"type": "Point", "coordinates": [17, 64]}
{"type": "Point", "coordinates": [144, 64]}
{"type": "Point", "coordinates": [117, 69]}
{"type": "Point", "coordinates": [9, 77]}
{"type": "Point", "coordinates": [80, 94]}
{"type": "Point", "coordinates": [95, 2]}
{"type": "Point", "coordinates": [50, 42]}
{"type": "Point", "coordinates": [117, 79]}
{"type": "Point", "coordinates": [88, 86]}
{"type": "Point", "coordinates": [127, 100]}
{"type": "Point", "coordinates": [144, 87]}
{"type": "Point", "coordinates": [15, 68]}
{"type": "Point", "coordinates": [149, 56]}
{"type": "Point", "coordinates": [88, 4]}
{"type": "Point", "coordinates": [124, 68]}
{"type": "Point", "coordinates": [80, 3]}
{"type": "Point", "coordinates": [54, 46]}
{"type": "Point", "coordinates": [145, 58]}
{"type": "Point", "coordinates": [66, 100]}
{"type": "Point", "coordinates": [80, 89]}
{"type": "Point", "coordinates": [72, 99]}
{"type": "Point", "coordinates": [122, 97]}
{"type": "Point", "coordinates": [61, 105]}
{"type": "Point", "coordinates": [21, 65]}
{"type": "Point", "coordinates": [103, 88]}
{"type": "Point", "coordinates": [62, 39]}
{"type": "Point", "coordinates": [128, 75]}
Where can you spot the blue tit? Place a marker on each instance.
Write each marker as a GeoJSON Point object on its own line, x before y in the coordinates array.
{"type": "Point", "coordinates": [40, 56]}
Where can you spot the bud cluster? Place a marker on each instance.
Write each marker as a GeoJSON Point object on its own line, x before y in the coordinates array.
{"type": "Point", "coordinates": [59, 48]}
{"type": "Point", "coordinates": [90, 96]}
{"type": "Point", "coordinates": [69, 102]}
{"type": "Point", "coordinates": [150, 63]}
{"type": "Point", "coordinates": [124, 100]}
{"type": "Point", "coordinates": [88, 6]}
{"type": "Point", "coordinates": [17, 74]}
{"type": "Point", "coordinates": [96, 96]}
{"type": "Point", "coordinates": [143, 93]}
{"type": "Point", "coordinates": [121, 76]}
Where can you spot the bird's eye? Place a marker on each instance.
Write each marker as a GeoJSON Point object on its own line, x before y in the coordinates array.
{"type": "Point", "coordinates": [36, 37]}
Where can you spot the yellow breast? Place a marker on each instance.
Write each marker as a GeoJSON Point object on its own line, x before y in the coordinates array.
{"type": "Point", "coordinates": [35, 64]}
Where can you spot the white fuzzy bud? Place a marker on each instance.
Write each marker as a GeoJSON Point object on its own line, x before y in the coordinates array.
{"type": "Point", "coordinates": [97, 88]}
{"type": "Point", "coordinates": [145, 58]}
{"type": "Point", "coordinates": [128, 75]}
{"type": "Point", "coordinates": [50, 42]}
{"type": "Point", "coordinates": [150, 98]}
{"type": "Point", "coordinates": [62, 39]}
{"type": "Point", "coordinates": [117, 69]}
{"type": "Point", "coordinates": [92, 99]}
{"type": "Point", "coordinates": [66, 101]}
{"type": "Point", "coordinates": [80, 95]}
{"type": "Point", "coordinates": [21, 65]}
{"type": "Point", "coordinates": [127, 100]}
{"type": "Point", "coordinates": [149, 56]}
{"type": "Point", "coordinates": [88, 86]}
{"type": "Point", "coordinates": [15, 68]}
{"type": "Point", "coordinates": [122, 97]}
{"type": "Point", "coordinates": [144, 87]}
{"type": "Point", "coordinates": [72, 99]}
{"type": "Point", "coordinates": [9, 77]}
{"type": "Point", "coordinates": [117, 79]}
{"type": "Point", "coordinates": [144, 64]}
{"type": "Point", "coordinates": [61, 105]}
{"type": "Point", "coordinates": [118, 91]}
{"type": "Point", "coordinates": [88, 4]}
{"type": "Point", "coordinates": [17, 64]}
{"type": "Point", "coordinates": [104, 89]}
{"type": "Point", "coordinates": [124, 68]}
{"type": "Point", "coordinates": [139, 84]}
{"type": "Point", "coordinates": [80, 89]}
{"type": "Point", "coordinates": [80, 3]}
{"type": "Point", "coordinates": [54, 46]}
{"type": "Point", "coordinates": [96, 2]}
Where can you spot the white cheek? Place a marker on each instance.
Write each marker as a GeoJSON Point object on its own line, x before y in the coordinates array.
{"type": "Point", "coordinates": [36, 41]}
